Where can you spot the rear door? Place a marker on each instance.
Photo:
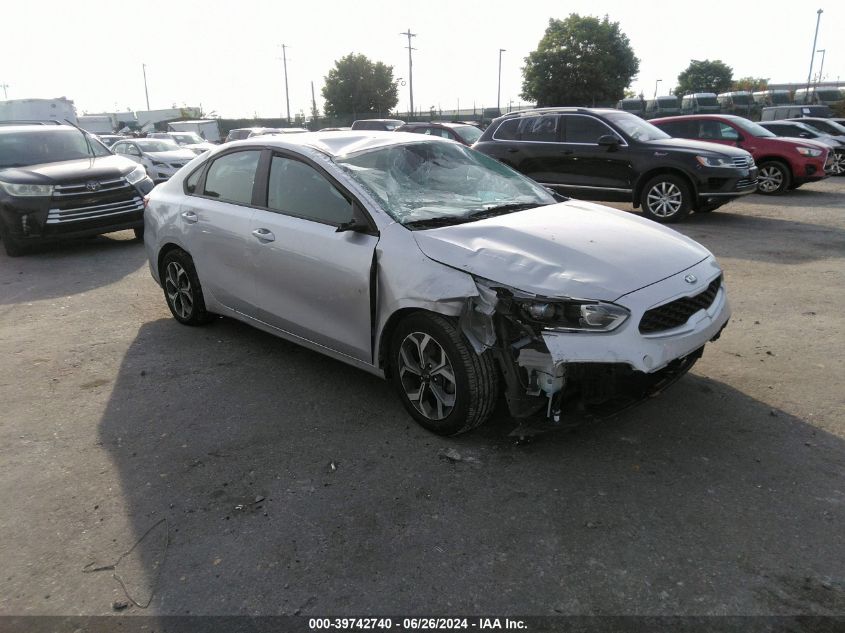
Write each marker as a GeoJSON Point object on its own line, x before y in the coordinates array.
{"type": "Point", "coordinates": [531, 145]}
{"type": "Point", "coordinates": [215, 219]}
{"type": "Point", "coordinates": [311, 280]}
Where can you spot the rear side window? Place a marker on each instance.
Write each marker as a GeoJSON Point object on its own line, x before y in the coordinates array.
{"type": "Point", "coordinates": [539, 129]}
{"type": "Point", "coordinates": [231, 177]}
{"type": "Point", "coordinates": [680, 129]}
{"type": "Point", "coordinates": [584, 129]}
{"type": "Point", "coordinates": [300, 190]}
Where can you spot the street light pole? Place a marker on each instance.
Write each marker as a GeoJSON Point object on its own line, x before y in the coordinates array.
{"type": "Point", "coordinates": [285, 63]}
{"type": "Point", "coordinates": [499, 89]}
{"type": "Point", "coordinates": [813, 56]}
{"type": "Point", "coordinates": [655, 87]}
{"type": "Point", "coordinates": [409, 35]}
{"type": "Point", "coordinates": [146, 93]}
{"type": "Point", "coordinates": [821, 68]}
{"type": "Point", "coordinates": [5, 94]}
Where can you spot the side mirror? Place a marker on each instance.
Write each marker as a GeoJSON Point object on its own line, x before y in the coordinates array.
{"type": "Point", "coordinates": [609, 140]}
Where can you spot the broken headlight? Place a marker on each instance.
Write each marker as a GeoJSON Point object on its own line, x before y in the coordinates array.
{"type": "Point", "coordinates": [584, 316]}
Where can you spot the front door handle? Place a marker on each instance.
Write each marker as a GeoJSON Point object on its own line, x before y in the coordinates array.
{"type": "Point", "coordinates": [264, 235]}
{"type": "Point", "coordinates": [190, 217]}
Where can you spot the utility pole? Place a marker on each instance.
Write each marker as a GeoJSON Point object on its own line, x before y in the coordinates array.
{"type": "Point", "coordinates": [655, 87]}
{"type": "Point", "coordinates": [285, 63]}
{"type": "Point", "coordinates": [313, 103]}
{"type": "Point", "coordinates": [146, 92]}
{"type": "Point", "coordinates": [813, 56]}
{"type": "Point", "coordinates": [821, 68]}
{"type": "Point", "coordinates": [409, 35]}
{"type": "Point", "coordinates": [499, 89]}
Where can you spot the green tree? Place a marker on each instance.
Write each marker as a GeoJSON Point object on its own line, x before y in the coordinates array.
{"type": "Point", "coordinates": [705, 76]}
{"type": "Point", "coordinates": [357, 86]}
{"type": "Point", "coordinates": [751, 84]}
{"type": "Point", "coordinates": [579, 61]}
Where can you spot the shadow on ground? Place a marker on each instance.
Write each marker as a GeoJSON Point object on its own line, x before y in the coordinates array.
{"type": "Point", "coordinates": [292, 483]}
{"type": "Point", "coordinates": [89, 262]}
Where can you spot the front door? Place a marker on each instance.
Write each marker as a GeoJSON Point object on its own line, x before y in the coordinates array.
{"type": "Point", "coordinates": [310, 280]}
{"type": "Point", "coordinates": [593, 170]}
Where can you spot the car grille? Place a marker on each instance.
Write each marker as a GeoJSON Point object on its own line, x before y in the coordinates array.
{"type": "Point", "coordinates": [90, 187]}
{"type": "Point", "coordinates": [94, 211]}
{"type": "Point", "coordinates": [678, 312]}
{"type": "Point", "coordinates": [743, 162]}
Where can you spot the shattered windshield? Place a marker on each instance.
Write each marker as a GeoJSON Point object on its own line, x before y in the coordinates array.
{"type": "Point", "coordinates": [438, 181]}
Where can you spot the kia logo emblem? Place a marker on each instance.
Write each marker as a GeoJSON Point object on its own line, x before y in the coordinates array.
{"type": "Point", "coordinates": [690, 279]}
{"type": "Point", "coordinates": [92, 185]}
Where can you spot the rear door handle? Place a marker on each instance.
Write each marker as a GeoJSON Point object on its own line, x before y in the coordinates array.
{"type": "Point", "coordinates": [190, 217]}
{"type": "Point", "coordinates": [264, 235]}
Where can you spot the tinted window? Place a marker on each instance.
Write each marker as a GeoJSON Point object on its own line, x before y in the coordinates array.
{"type": "Point", "coordinates": [584, 129]}
{"type": "Point", "coordinates": [231, 177]}
{"type": "Point", "coordinates": [540, 128]}
{"type": "Point", "coordinates": [679, 129]}
{"type": "Point", "coordinates": [298, 189]}
{"type": "Point", "coordinates": [508, 130]}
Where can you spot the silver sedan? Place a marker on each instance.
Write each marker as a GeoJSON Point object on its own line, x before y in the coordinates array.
{"type": "Point", "coordinates": [438, 268]}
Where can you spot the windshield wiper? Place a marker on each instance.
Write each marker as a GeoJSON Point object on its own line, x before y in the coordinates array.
{"type": "Point", "coordinates": [503, 209]}
{"type": "Point", "coordinates": [443, 220]}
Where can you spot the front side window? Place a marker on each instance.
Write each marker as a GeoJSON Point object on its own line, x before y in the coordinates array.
{"type": "Point", "coordinates": [231, 177]}
{"type": "Point", "coordinates": [300, 190]}
{"type": "Point", "coordinates": [584, 129]}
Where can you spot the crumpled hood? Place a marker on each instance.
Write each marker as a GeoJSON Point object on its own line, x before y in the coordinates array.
{"type": "Point", "coordinates": [572, 249]}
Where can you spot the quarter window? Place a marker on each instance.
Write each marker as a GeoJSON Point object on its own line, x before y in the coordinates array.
{"type": "Point", "coordinates": [300, 190]}
{"type": "Point", "coordinates": [539, 129]}
{"type": "Point", "coordinates": [584, 129]}
{"type": "Point", "coordinates": [232, 177]}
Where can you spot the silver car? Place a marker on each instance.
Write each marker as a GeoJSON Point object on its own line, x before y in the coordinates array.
{"type": "Point", "coordinates": [434, 266]}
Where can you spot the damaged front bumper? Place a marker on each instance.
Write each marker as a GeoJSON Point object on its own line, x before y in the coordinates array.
{"type": "Point", "coordinates": [551, 369]}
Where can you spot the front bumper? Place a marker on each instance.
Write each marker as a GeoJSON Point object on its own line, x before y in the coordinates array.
{"type": "Point", "coordinates": [649, 352]}
{"type": "Point", "coordinates": [715, 183]}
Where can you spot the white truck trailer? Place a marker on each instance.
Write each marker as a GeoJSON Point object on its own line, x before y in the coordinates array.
{"type": "Point", "coordinates": [60, 109]}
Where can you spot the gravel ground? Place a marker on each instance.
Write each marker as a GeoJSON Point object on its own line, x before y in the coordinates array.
{"type": "Point", "coordinates": [266, 479]}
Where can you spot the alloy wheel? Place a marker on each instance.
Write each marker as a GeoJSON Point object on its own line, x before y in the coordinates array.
{"type": "Point", "coordinates": [770, 179]}
{"type": "Point", "coordinates": [838, 167]}
{"type": "Point", "coordinates": [180, 294]}
{"type": "Point", "coordinates": [427, 376]}
{"type": "Point", "coordinates": [664, 199]}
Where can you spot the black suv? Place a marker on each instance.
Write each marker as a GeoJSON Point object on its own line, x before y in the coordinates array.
{"type": "Point", "coordinates": [57, 182]}
{"type": "Point", "coordinates": [613, 155]}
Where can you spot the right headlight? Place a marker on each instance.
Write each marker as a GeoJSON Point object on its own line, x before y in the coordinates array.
{"type": "Point", "coordinates": [136, 175]}
{"type": "Point", "coordinates": [575, 314]}
{"type": "Point", "coordinates": [809, 151]}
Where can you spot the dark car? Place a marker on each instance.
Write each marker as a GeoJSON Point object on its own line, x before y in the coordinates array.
{"type": "Point", "coordinates": [604, 154]}
{"type": "Point", "coordinates": [825, 126]}
{"type": "Point", "coordinates": [784, 163]}
{"type": "Point", "coordinates": [57, 182]}
{"type": "Point", "coordinates": [774, 113]}
{"type": "Point", "coordinates": [800, 130]}
{"type": "Point", "coordinates": [383, 125]}
{"type": "Point", "coordinates": [461, 132]}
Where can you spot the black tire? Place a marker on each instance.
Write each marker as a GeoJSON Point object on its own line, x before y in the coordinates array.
{"type": "Point", "coordinates": [796, 185]}
{"type": "Point", "coordinates": [185, 300]}
{"type": "Point", "coordinates": [774, 178]}
{"type": "Point", "coordinates": [139, 233]}
{"type": "Point", "coordinates": [666, 198]}
{"type": "Point", "coordinates": [476, 380]}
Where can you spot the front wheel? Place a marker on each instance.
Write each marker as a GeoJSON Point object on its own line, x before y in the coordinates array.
{"type": "Point", "coordinates": [773, 179]}
{"type": "Point", "coordinates": [445, 386]}
{"type": "Point", "coordinates": [182, 289]}
{"type": "Point", "coordinates": [666, 198]}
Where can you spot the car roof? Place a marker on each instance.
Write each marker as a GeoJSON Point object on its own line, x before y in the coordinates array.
{"type": "Point", "coordinates": [440, 123]}
{"type": "Point", "coordinates": [558, 110]}
{"type": "Point", "coordinates": [344, 143]}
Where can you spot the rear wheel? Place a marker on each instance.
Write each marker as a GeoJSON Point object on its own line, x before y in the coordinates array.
{"type": "Point", "coordinates": [182, 289]}
{"type": "Point", "coordinates": [666, 198]}
{"type": "Point", "coordinates": [774, 178]}
{"type": "Point", "coordinates": [445, 386]}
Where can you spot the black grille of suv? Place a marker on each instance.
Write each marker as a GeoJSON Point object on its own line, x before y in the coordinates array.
{"type": "Point", "coordinates": [743, 162]}
{"type": "Point", "coordinates": [678, 312]}
{"type": "Point", "coordinates": [92, 200]}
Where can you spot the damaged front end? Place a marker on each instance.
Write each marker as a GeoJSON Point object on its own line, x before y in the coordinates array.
{"type": "Point", "coordinates": [528, 334]}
